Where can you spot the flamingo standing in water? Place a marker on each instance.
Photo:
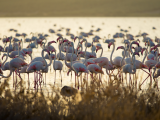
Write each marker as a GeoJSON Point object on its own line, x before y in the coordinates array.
{"type": "Point", "coordinates": [130, 68]}
{"type": "Point", "coordinates": [57, 65]}
{"type": "Point", "coordinates": [77, 66]}
{"type": "Point", "coordinates": [38, 65]}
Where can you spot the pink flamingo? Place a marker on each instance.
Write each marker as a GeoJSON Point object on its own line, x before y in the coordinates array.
{"type": "Point", "coordinates": [130, 68]}
{"type": "Point", "coordinates": [38, 65]}
{"type": "Point", "coordinates": [57, 65]}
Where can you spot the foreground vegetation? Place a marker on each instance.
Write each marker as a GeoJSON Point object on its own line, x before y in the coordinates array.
{"type": "Point", "coordinates": [79, 8]}
{"type": "Point", "coordinates": [111, 102]}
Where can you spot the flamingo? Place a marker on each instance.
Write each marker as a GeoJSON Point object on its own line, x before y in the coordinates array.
{"type": "Point", "coordinates": [93, 68]}
{"type": "Point", "coordinates": [57, 65]}
{"type": "Point", "coordinates": [38, 65]}
{"type": "Point", "coordinates": [130, 68]}
{"type": "Point", "coordinates": [77, 66]}
{"type": "Point", "coordinates": [14, 64]}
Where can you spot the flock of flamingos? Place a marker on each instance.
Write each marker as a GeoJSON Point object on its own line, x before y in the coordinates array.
{"type": "Point", "coordinates": [78, 58]}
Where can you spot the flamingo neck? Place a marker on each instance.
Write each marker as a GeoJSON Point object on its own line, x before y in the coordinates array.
{"type": "Point", "coordinates": [131, 48]}
{"type": "Point", "coordinates": [157, 54]}
{"type": "Point", "coordinates": [134, 66]}
{"type": "Point", "coordinates": [46, 65]}
{"type": "Point", "coordinates": [5, 60]}
{"type": "Point", "coordinates": [72, 54]}
{"type": "Point", "coordinates": [60, 46]}
{"type": "Point", "coordinates": [146, 52]}
{"type": "Point", "coordinates": [85, 52]}
{"type": "Point", "coordinates": [123, 56]}
{"type": "Point", "coordinates": [67, 64]}
{"type": "Point", "coordinates": [112, 54]}
{"type": "Point", "coordinates": [7, 75]}
{"type": "Point", "coordinates": [101, 53]}
{"type": "Point", "coordinates": [54, 59]}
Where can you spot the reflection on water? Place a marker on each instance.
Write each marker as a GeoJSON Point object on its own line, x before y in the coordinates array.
{"type": "Point", "coordinates": [107, 25]}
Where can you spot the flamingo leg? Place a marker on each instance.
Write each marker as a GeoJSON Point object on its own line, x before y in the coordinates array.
{"type": "Point", "coordinates": [45, 78]}
{"type": "Point", "coordinates": [135, 81]}
{"type": "Point", "coordinates": [144, 80]}
{"type": "Point", "coordinates": [145, 71]}
{"type": "Point", "coordinates": [78, 81]}
{"type": "Point", "coordinates": [150, 78]}
{"type": "Point", "coordinates": [75, 79]}
{"type": "Point", "coordinates": [13, 79]}
{"type": "Point", "coordinates": [39, 78]}
{"type": "Point", "coordinates": [157, 84]}
{"type": "Point", "coordinates": [28, 81]}
{"type": "Point", "coordinates": [61, 78]}
{"type": "Point", "coordinates": [55, 78]}
{"type": "Point", "coordinates": [16, 80]}
{"type": "Point", "coordinates": [71, 76]}
{"type": "Point", "coordinates": [126, 79]}
{"type": "Point", "coordinates": [81, 80]}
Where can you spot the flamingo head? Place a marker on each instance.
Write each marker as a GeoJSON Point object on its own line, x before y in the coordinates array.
{"type": "Point", "coordinates": [47, 51]}
{"type": "Point", "coordinates": [59, 38]}
{"type": "Point", "coordinates": [75, 38]}
{"type": "Point", "coordinates": [120, 47]}
{"type": "Point", "coordinates": [80, 52]}
{"type": "Point", "coordinates": [109, 45]}
{"type": "Point", "coordinates": [133, 47]}
{"type": "Point", "coordinates": [83, 40]}
{"type": "Point", "coordinates": [3, 57]}
{"type": "Point", "coordinates": [138, 40]}
{"type": "Point", "coordinates": [134, 42]}
{"type": "Point", "coordinates": [142, 50]}
{"type": "Point", "coordinates": [65, 40]}
{"type": "Point", "coordinates": [41, 43]}
{"type": "Point", "coordinates": [155, 47]}
{"type": "Point", "coordinates": [98, 47]}
{"type": "Point", "coordinates": [8, 40]}
{"type": "Point", "coordinates": [52, 42]}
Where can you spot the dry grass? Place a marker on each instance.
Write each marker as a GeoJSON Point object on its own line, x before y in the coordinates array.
{"type": "Point", "coordinates": [79, 8]}
{"type": "Point", "coordinates": [109, 103]}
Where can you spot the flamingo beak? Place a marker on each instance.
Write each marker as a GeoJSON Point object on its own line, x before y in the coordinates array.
{"type": "Point", "coordinates": [2, 57]}
{"type": "Point", "coordinates": [142, 51]}
{"type": "Point", "coordinates": [97, 50]}
{"type": "Point", "coordinates": [48, 52]}
{"type": "Point", "coordinates": [58, 38]}
{"type": "Point", "coordinates": [65, 40]}
{"type": "Point", "coordinates": [109, 45]}
{"type": "Point", "coordinates": [53, 41]}
{"type": "Point", "coordinates": [75, 39]}
{"type": "Point", "coordinates": [120, 47]}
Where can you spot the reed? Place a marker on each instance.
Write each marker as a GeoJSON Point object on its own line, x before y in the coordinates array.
{"type": "Point", "coordinates": [110, 102]}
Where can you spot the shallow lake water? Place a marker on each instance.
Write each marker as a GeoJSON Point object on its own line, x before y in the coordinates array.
{"type": "Point", "coordinates": [107, 25]}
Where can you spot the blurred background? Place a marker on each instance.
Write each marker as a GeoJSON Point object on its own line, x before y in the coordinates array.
{"type": "Point", "coordinates": [79, 8]}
